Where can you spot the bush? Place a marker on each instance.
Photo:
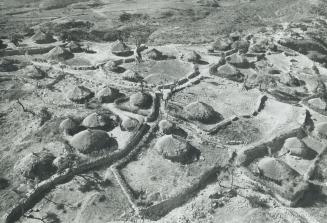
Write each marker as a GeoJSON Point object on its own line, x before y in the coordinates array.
{"type": "Point", "coordinates": [125, 17]}
{"type": "Point", "coordinates": [4, 183]}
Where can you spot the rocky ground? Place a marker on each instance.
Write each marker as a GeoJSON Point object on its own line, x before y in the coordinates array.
{"type": "Point", "coordinates": [221, 119]}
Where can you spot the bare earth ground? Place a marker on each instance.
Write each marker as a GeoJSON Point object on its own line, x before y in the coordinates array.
{"type": "Point", "coordinates": [220, 179]}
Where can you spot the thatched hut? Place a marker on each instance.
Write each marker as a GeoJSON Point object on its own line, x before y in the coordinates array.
{"type": "Point", "coordinates": [42, 38]}
{"type": "Point", "coordinates": [174, 148]}
{"type": "Point", "coordinates": [35, 166]}
{"type": "Point", "coordinates": [129, 124]}
{"type": "Point", "coordinates": [166, 126]}
{"type": "Point", "coordinates": [274, 169]}
{"type": "Point", "coordinates": [80, 94]}
{"type": "Point", "coordinates": [34, 72]}
{"type": "Point", "coordinates": [141, 100]}
{"type": "Point", "coordinates": [101, 120]}
{"type": "Point", "coordinates": [296, 147]}
{"type": "Point", "coordinates": [68, 126]}
{"type": "Point", "coordinates": [238, 60]}
{"type": "Point", "coordinates": [235, 36]}
{"type": "Point", "coordinates": [154, 54]}
{"type": "Point", "coordinates": [220, 45]}
{"type": "Point", "coordinates": [89, 141]}
{"type": "Point", "coordinates": [107, 94]}
{"type": "Point", "coordinates": [320, 130]}
{"type": "Point", "coordinates": [202, 112]}
{"type": "Point", "coordinates": [120, 48]}
{"type": "Point", "coordinates": [230, 72]}
{"type": "Point", "coordinates": [193, 57]}
{"type": "Point", "coordinates": [59, 53]}
{"type": "Point", "coordinates": [132, 76]}
{"type": "Point", "coordinates": [74, 47]}
{"type": "Point", "coordinates": [241, 45]}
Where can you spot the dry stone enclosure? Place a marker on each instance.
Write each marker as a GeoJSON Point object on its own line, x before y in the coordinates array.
{"type": "Point", "coordinates": [164, 111]}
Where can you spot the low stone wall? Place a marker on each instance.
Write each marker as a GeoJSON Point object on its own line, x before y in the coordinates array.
{"type": "Point", "coordinates": [155, 108]}
{"type": "Point", "coordinates": [158, 210]}
{"type": "Point", "coordinates": [23, 51]}
{"type": "Point", "coordinates": [45, 186]}
{"type": "Point", "coordinates": [246, 156]}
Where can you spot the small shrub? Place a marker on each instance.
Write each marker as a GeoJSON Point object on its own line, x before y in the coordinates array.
{"type": "Point", "coordinates": [256, 202]}
{"type": "Point", "coordinates": [4, 183]}
{"type": "Point", "coordinates": [125, 17]}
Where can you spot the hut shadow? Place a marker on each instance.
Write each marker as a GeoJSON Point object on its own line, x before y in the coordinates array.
{"type": "Point", "coordinates": [202, 62]}
{"type": "Point", "coordinates": [179, 132]}
{"type": "Point", "coordinates": [214, 119]}
{"type": "Point", "coordinates": [89, 51]}
{"type": "Point", "coordinates": [120, 70]}
{"type": "Point", "coordinates": [313, 197]}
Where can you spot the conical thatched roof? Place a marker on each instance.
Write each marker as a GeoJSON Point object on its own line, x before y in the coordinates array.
{"type": "Point", "coordinates": [74, 47]}
{"type": "Point", "coordinates": [154, 54]}
{"type": "Point", "coordinates": [193, 57]}
{"type": "Point", "coordinates": [89, 141]}
{"type": "Point", "coordinates": [220, 45]}
{"type": "Point", "coordinates": [235, 36]}
{"type": "Point", "coordinates": [321, 130]}
{"type": "Point", "coordinates": [166, 126]}
{"type": "Point", "coordinates": [34, 72]}
{"type": "Point", "coordinates": [107, 94]}
{"type": "Point", "coordinates": [173, 148]}
{"type": "Point", "coordinates": [80, 94]}
{"type": "Point", "coordinates": [111, 66]}
{"type": "Point", "coordinates": [230, 72]}
{"type": "Point", "coordinates": [296, 147]}
{"type": "Point", "coordinates": [68, 125]}
{"type": "Point", "coordinates": [36, 166]}
{"type": "Point", "coordinates": [129, 124]}
{"type": "Point", "coordinates": [120, 48]}
{"type": "Point", "coordinates": [59, 53]}
{"type": "Point", "coordinates": [101, 120]}
{"type": "Point", "coordinates": [141, 99]}
{"type": "Point", "coordinates": [238, 60]}
{"type": "Point", "coordinates": [41, 37]}
{"type": "Point", "coordinates": [132, 76]}
{"type": "Point", "coordinates": [275, 169]}
{"type": "Point", "coordinates": [202, 112]}
{"type": "Point", "coordinates": [241, 45]}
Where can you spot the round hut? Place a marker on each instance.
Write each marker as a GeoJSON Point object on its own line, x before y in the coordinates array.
{"type": "Point", "coordinates": [202, 112]}
{"type": "Point", "coordinates": [141, 100]}
{"type": "Point", "coordinates": [90, 140]}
